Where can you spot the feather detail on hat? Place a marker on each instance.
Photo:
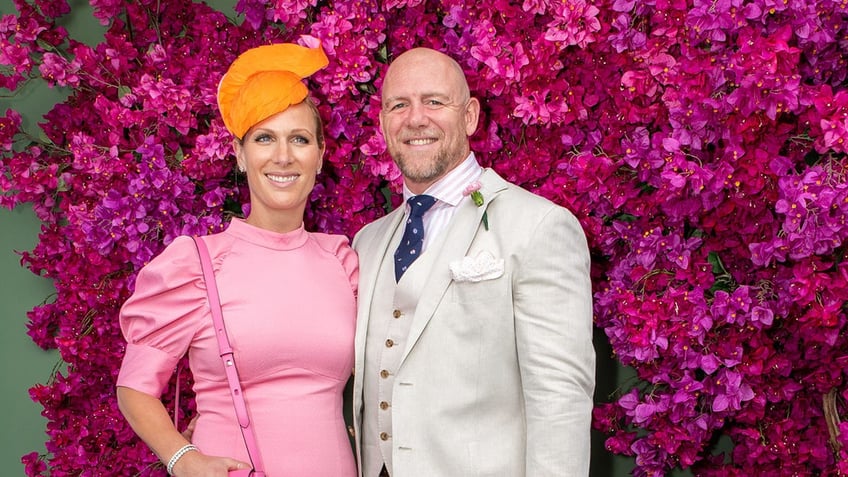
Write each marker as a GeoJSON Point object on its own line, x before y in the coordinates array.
{"type": "Point", "coordinates": [264, 81]}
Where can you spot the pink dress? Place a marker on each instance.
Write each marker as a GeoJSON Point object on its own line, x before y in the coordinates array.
{"type": "Point", "coordinates": [290, 310]}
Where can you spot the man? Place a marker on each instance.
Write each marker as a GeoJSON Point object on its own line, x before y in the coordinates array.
{"type": "Point", "coordinates": [476, 358]}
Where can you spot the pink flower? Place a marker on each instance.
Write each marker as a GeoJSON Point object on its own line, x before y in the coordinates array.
{"type": "Point", "coordinates": [575, 23]}
{"type": "Point", "coordinates": [473, 190]}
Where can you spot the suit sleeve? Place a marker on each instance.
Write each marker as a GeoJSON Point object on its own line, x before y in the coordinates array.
{"type": "Point", "coordinates": [553, 321]}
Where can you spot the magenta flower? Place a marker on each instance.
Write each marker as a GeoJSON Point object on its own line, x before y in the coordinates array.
{"type": "Point", "coordinates": [700, 144]}
{"type": "Point", "coordinates": [733, 392]}
{"type": "Point", "coordinates": [574, 23]}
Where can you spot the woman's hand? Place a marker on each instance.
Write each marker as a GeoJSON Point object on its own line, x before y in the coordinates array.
{"type": "Point", "coordinates": [195, 464]}
{"type": "Point", "coordinates": [188, 433]}
{"type": "Point", "coordinates": [149, 419]}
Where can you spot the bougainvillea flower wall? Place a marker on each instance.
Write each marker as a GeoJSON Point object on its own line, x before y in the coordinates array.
{"type": "Point", "coordinates": [702, 144]}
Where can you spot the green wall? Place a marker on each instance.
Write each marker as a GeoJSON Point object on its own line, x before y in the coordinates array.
{"type": "Point", "coordinates": [22, 363]}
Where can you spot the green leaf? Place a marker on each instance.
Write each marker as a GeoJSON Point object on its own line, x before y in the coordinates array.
{"type": "Point", "coordinates": [723, 280]}
{"type": "Point", "coordinates": [61, 185]}
{"type": "Point", "coordinates": [387, 194]}
{"type": "Point", "coordinates": [366, 88]}
{"type": "Point", "coordinates": [718, 266]}
{"type": "Point", "coordinates": [44, 45]}
{"type": "Point", "coordinates": [621, 217]}
{"type": "Point", "coordinates": [42, 137]}
{"type": "Point", "coordinates": [383, 54]}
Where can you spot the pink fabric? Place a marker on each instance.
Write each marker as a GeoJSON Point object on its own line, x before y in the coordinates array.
{"type": "Point", "coordinates": [289, 307]}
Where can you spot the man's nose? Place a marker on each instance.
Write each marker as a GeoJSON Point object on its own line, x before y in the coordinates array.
{"type": "Point", "coordinates": [417, 115]}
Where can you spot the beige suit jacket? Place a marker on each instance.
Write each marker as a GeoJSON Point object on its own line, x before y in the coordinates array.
{"type": "Point", "coordinates": [497, 376]}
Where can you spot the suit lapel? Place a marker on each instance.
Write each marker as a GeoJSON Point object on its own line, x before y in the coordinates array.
{"type": "Point", "coordinates": [464, 225]}
{"type": "Point", "coordinates": [371, 255]}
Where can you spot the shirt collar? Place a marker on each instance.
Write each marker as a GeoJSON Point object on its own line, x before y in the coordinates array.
{"type": "Point", "coordinates": [448, 189]}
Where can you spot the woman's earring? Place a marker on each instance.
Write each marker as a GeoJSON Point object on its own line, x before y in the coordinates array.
{"type": "Point", "coordinates": [241, 168]}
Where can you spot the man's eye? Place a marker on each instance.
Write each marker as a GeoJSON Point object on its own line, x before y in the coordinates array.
{"type": "Point", "coordinates": [434, 102]}
{"type": "Point", "coordinates": [396, 106]}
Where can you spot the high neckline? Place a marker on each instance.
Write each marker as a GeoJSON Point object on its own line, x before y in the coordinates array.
{"type": "Point", "coordinates": [267, 238]}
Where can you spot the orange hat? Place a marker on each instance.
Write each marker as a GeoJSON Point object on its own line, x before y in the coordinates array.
{"type": "Point", "coordinates": [264, 81]}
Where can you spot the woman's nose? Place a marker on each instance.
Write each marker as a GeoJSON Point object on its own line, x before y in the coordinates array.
{"type": "Point", "coordinates": [282, 155]}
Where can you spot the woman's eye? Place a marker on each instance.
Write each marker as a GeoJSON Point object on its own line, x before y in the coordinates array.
{"type": "Point", "coordinates": [262, 138]}
{"type": "Point", "coordinates": [300, 140]}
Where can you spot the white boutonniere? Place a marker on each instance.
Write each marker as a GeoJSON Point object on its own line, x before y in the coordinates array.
{"type": "Point", "coordinates": [473, 190]}
{"type": "Point", "coordinates": [475, 269]}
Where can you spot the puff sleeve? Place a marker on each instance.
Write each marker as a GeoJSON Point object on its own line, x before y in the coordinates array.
{"type": "Point", "coordinates": [339, 245]}
{"type": "Point", "coordinates": [161, 317]}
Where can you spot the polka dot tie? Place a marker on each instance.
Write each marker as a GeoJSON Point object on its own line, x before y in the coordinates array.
{"type": "Point", "coordinates": [413, 235]}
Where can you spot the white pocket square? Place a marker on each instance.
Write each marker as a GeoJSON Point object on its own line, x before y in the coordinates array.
{"type": "Point", "coordinates": [474, 269]}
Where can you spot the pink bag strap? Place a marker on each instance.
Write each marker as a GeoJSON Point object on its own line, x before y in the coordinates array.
{"type": "Point", "coordinates": [227, 357]}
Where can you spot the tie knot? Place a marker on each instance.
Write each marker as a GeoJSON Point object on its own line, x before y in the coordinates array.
{"type": "Point", "coordinates": [420, 204]}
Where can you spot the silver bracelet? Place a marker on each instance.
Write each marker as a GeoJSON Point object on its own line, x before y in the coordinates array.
{"type": "Point", "coordinates": [177, 455]}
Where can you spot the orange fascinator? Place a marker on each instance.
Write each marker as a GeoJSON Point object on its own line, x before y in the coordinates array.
{"type": "Point", "coordinates": [264, 81]}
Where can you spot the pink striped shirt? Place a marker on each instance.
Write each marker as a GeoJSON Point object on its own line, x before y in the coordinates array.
{"type": "Point", "coordinates": [448, 192]}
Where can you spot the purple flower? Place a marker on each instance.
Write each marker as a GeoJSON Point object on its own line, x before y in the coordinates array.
{"type": "Point", "coordinates": [732, 391]}
{"type": "Point", "coordinates": [700, 144]}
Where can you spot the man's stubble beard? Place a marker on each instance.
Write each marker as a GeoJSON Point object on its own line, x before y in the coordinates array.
{"type": "Point", "coordinates": [428, 171]}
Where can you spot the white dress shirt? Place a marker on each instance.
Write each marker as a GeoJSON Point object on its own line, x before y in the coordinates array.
{"type": "Point", "coordinates": [448, 192]}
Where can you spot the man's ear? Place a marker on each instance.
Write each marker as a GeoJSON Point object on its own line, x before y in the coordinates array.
{"type": "Point", "coordinates": [472, 115]}
{"type": "Point", "coordinates": [382, 127]}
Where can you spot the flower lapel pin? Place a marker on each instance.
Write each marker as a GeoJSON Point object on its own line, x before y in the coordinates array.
{"type": "Point", "coordinates": [473, 190]}
{"type": "Point", "coordinates": [476, 269]}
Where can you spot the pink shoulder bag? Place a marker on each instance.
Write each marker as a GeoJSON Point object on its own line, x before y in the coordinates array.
{"type": "Point", "coordinates": [229, 365]}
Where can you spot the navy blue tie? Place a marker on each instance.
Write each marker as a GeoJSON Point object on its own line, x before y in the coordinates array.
{"type": "Point", "coordinates": [413, 236]}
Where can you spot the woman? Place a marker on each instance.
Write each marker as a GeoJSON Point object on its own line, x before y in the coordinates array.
{"type": "Point", "coordinates": [287, 298]}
